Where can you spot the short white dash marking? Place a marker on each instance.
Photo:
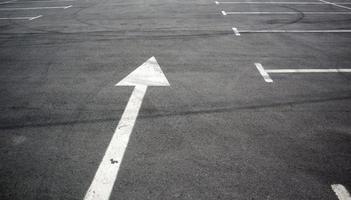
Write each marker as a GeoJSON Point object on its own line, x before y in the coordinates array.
{"type": "Point", "coordinates": [216, 2]}
{"type": "Point", "coordinates": [263, 73]}
{"type": "Point", "coordinates": [341, 192]}
{"type": "Point", "coordinates": [67, 7]}
{"type": "Point", "coordinates": [33, 18]}
{"type": "Point", "coordinates": [236, 32]}
{"type": "Point", "coordinates": [224, 13]}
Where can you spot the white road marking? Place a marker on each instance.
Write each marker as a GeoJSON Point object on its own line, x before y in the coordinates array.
{"type": "Point", "coordinates": [285, 13]}
{"type": "Point", "coordinates": [282, 71]}
{"type": "Point", "coordinates": [278, 2]}
{"type": "Point", "coordinates": [36, 8]}
{"type": "Point", "coordinates": [23, 2]}
{"type": "Point", "coordinates": [6, 2]}
{"type": "Point", "coordinates": [297, 31]}
{"type": "Point", "coordinates": [148, 74]}
{"type": "Point", "coordinates": [20, 18]}
{"type": "Point", "coordinates": [263, 73]}
{"type": "Point", "coordinates": [341, 192]}
{"type": "Point", "coordinates": [33, 18]}
{"type": "Point", "coordinates": [236, 32]}
{"type": "Point", "coordinates": [224, 13]}
{"type": "Point", "coordinates": [337, 5]}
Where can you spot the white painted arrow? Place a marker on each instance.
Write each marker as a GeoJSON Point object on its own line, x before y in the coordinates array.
{"type": "Point", "coordinates": [148, 74]}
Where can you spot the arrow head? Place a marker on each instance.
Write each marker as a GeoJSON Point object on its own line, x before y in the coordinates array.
{"type": "Point", "coordinates": [148, 74]}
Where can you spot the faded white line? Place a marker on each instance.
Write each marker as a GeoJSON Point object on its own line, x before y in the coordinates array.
{"type": "Point", "coordinates": [20, 18]}
{"type": "Point", "coordinates": [283, 71]}
{"type": "Point", "coordinates": [263, 73]}
{"type": "Point", "coordinates": [148, 74]}
{"type": "Point", "coordinates": [36, 8]}
{"type": "Point", "coordinates": [236, 32]}
{"type": "Point", "coordinates": [277, 2]}
{"type": "Point", "coordinates": [341, 192]}
{"type": "Point", "coordinates": [7, 2]}
{"type": "Point", "coordinates": [297, 31]}
{"type": "Point", "coordinates": [285, 13]}
{"type": "Point", "coordinates": [33, 18]}
{"type": "Point", "coordinates": [24, 2]}
{"type": "Point", "coordinates": [337, 5]}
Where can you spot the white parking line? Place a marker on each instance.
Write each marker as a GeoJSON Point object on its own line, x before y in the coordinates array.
{"type": "Point", "coordinates": [337, 5]}
{"type": "Point", "coordinates": [36, 8]}
{"type": "Point", "coordinates": [278, 3]}
{"type": "Point", "coordinates": [23, 2]}
{"type": "Point", "coordinates": [284, 71]}
{"type": "Point", "coordinates": [20, 18]}
{"type": "Point", "coordinates": [237, 31]}
{"type": "Point", "coordinates": [285, 13]}
{"type": "Point", "coordinates": [6, 2]}
{"type": "Point", "coordinates": [341, 192]}
{"type": "Point", "coordinates": [263, 73]}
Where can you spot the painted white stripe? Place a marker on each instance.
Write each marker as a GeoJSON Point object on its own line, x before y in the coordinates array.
{"type": "Point", "coordinates": [6, 2]}
{"type": "Point", "coordinates": [35, 8]}
{"type": "Point", "coordinates": [337, 5]}
{"type": "Point", "coordinates": [277, 2]}
{"type": "Point", "coordinates": [236, 32]}
{"type": "Point", "coordinates": [33, 18]}
{"type": "Point", "coordinates": [20, 18]}
{"type": "Point", "coordinates": [341, 192]}
{"type": "Point", "coordinates": [282, 71]}
{"type": "Point", "coordinates": [285, 13]}
{"type": "Point", "coordinates": [101, 187]}
{"type": "Point", "coordinates": [148, 74]}
{"type": "Point", "coordinates": [296, 31]}
{"type": "Point", "coordinates": [263, 73]}
{"type": "Point", "coordinates": [224, 13]}
{"type": "Point", "coordinates": [24, 2]}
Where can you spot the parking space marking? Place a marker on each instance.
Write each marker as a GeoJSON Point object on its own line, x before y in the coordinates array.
{"type": "Point", "coordinates": [284, 13]}
{"type": "Point", "coordinates": [237, 31]}
{"type": "Point", "coordinates": [341, 192]}
{"type": "Point", "coordinates": [36, 8]}
{"type": "Point", "coordinates": [263, 73]}
{"type": "Point", "coordinates": [54, 1]}
{"type": "Point", "coordinates": [334, 4]}
{"type": "Point", "coordinates": [6, 2]}
{"type": "Point", "coordinates": [20, 18]}
{"type": "Point", "coordinates": [284, 71]}
{"type": "Point", "coordinates": [279, 3]}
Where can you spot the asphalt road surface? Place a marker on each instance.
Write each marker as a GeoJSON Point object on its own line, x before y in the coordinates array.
{"type": "Point", "coordinates": [223, 129]}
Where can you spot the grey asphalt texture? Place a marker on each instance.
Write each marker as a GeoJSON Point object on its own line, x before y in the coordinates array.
{"type": "Point", "coordinates": [218, 132]}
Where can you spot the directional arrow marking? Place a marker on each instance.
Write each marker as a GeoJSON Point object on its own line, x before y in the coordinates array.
{"type": "Point", "coordinates": [148, 74]}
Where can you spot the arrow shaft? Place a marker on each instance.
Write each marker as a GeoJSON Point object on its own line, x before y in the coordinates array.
{"type": "Point", "coordinates": [105, 176]}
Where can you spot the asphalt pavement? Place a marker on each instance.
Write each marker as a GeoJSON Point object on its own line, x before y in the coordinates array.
{"type": "Point", "coordinates": [222, 129]}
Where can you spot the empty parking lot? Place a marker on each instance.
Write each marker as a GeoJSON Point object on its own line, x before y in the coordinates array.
{"type": "Point", "coordinates": [175, 99]}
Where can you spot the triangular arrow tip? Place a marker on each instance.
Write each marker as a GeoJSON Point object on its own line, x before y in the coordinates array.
{"type": "Point", "coordinates": [149, 74]}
